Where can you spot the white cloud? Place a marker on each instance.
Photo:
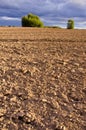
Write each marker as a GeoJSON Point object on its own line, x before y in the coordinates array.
{"type": "Point", "coordinates": [78, 2]}
{"type": "Point", "coordinates": [9, 18]}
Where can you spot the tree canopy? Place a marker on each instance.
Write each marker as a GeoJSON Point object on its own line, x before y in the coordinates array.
{"type": "Point", "coordinates": [31, 20]}
{"type": "Point", "coordinates": [70, 24]}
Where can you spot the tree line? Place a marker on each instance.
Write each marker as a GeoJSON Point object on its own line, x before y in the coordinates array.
{"type": "Point", "coordinates": [32, 20]}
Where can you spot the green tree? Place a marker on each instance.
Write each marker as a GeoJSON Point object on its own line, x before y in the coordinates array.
{"type": "Point", "coordinates": [70, 24]}
{"type": "Point", "coordinates": [31, 20]}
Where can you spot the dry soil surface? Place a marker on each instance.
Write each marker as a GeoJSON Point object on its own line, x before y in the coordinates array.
{"type": "Point", "coordinates": [42, 79]}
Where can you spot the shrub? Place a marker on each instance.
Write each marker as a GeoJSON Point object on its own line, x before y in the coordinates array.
{"type": "Point", "coordinates": [53, 27]}
{"type": "Point", "coordinates": [31, 20]}
{"type": "Point", "coordinates": [70, 24]}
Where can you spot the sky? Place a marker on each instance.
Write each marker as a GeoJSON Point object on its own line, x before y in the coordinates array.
{"type": "Point", "coordinates": [51, 12]}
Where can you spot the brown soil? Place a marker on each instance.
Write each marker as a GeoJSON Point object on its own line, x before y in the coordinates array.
{"type": "Point", "coordinates": [42, 79]}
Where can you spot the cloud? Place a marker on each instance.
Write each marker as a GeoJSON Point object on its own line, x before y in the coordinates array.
{"type": "Point", "coordinates": [9, 18]}
{"type": "Point", "coordinates": [52, 12]}
{"type": "Point", "coordinates": [78, 2]}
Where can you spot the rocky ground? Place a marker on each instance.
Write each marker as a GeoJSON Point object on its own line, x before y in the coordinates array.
{"type": "Point", "coordinates": [42, 79]}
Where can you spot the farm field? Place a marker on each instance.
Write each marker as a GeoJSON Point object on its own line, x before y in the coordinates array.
{"type": "Point", "coordinates": [42, 79]}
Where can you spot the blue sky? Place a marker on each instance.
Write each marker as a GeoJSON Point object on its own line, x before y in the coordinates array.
{"type": "Point", "coordinates": [51, 12]}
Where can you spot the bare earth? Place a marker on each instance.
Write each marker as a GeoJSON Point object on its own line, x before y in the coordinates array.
{"type": "Point", "coordinates": [42, 79]}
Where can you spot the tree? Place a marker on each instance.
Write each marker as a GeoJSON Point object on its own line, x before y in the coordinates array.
{"type": "Point", "coordinates": [31, 20]}
{"type": "Point", "coordinates": [70, 24]}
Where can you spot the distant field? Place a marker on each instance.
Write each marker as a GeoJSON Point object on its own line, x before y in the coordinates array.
{"type": "Point", "coordinates": [42, 79]}
{"type": "Point", "coordinates": [51, 34]}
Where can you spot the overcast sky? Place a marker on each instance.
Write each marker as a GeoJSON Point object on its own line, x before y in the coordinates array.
{"type": "Point", "coordinates": [51, 12]}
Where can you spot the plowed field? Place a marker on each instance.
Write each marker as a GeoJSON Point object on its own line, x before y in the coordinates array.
{"type": "Point", "coordinates": [42, 79]}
